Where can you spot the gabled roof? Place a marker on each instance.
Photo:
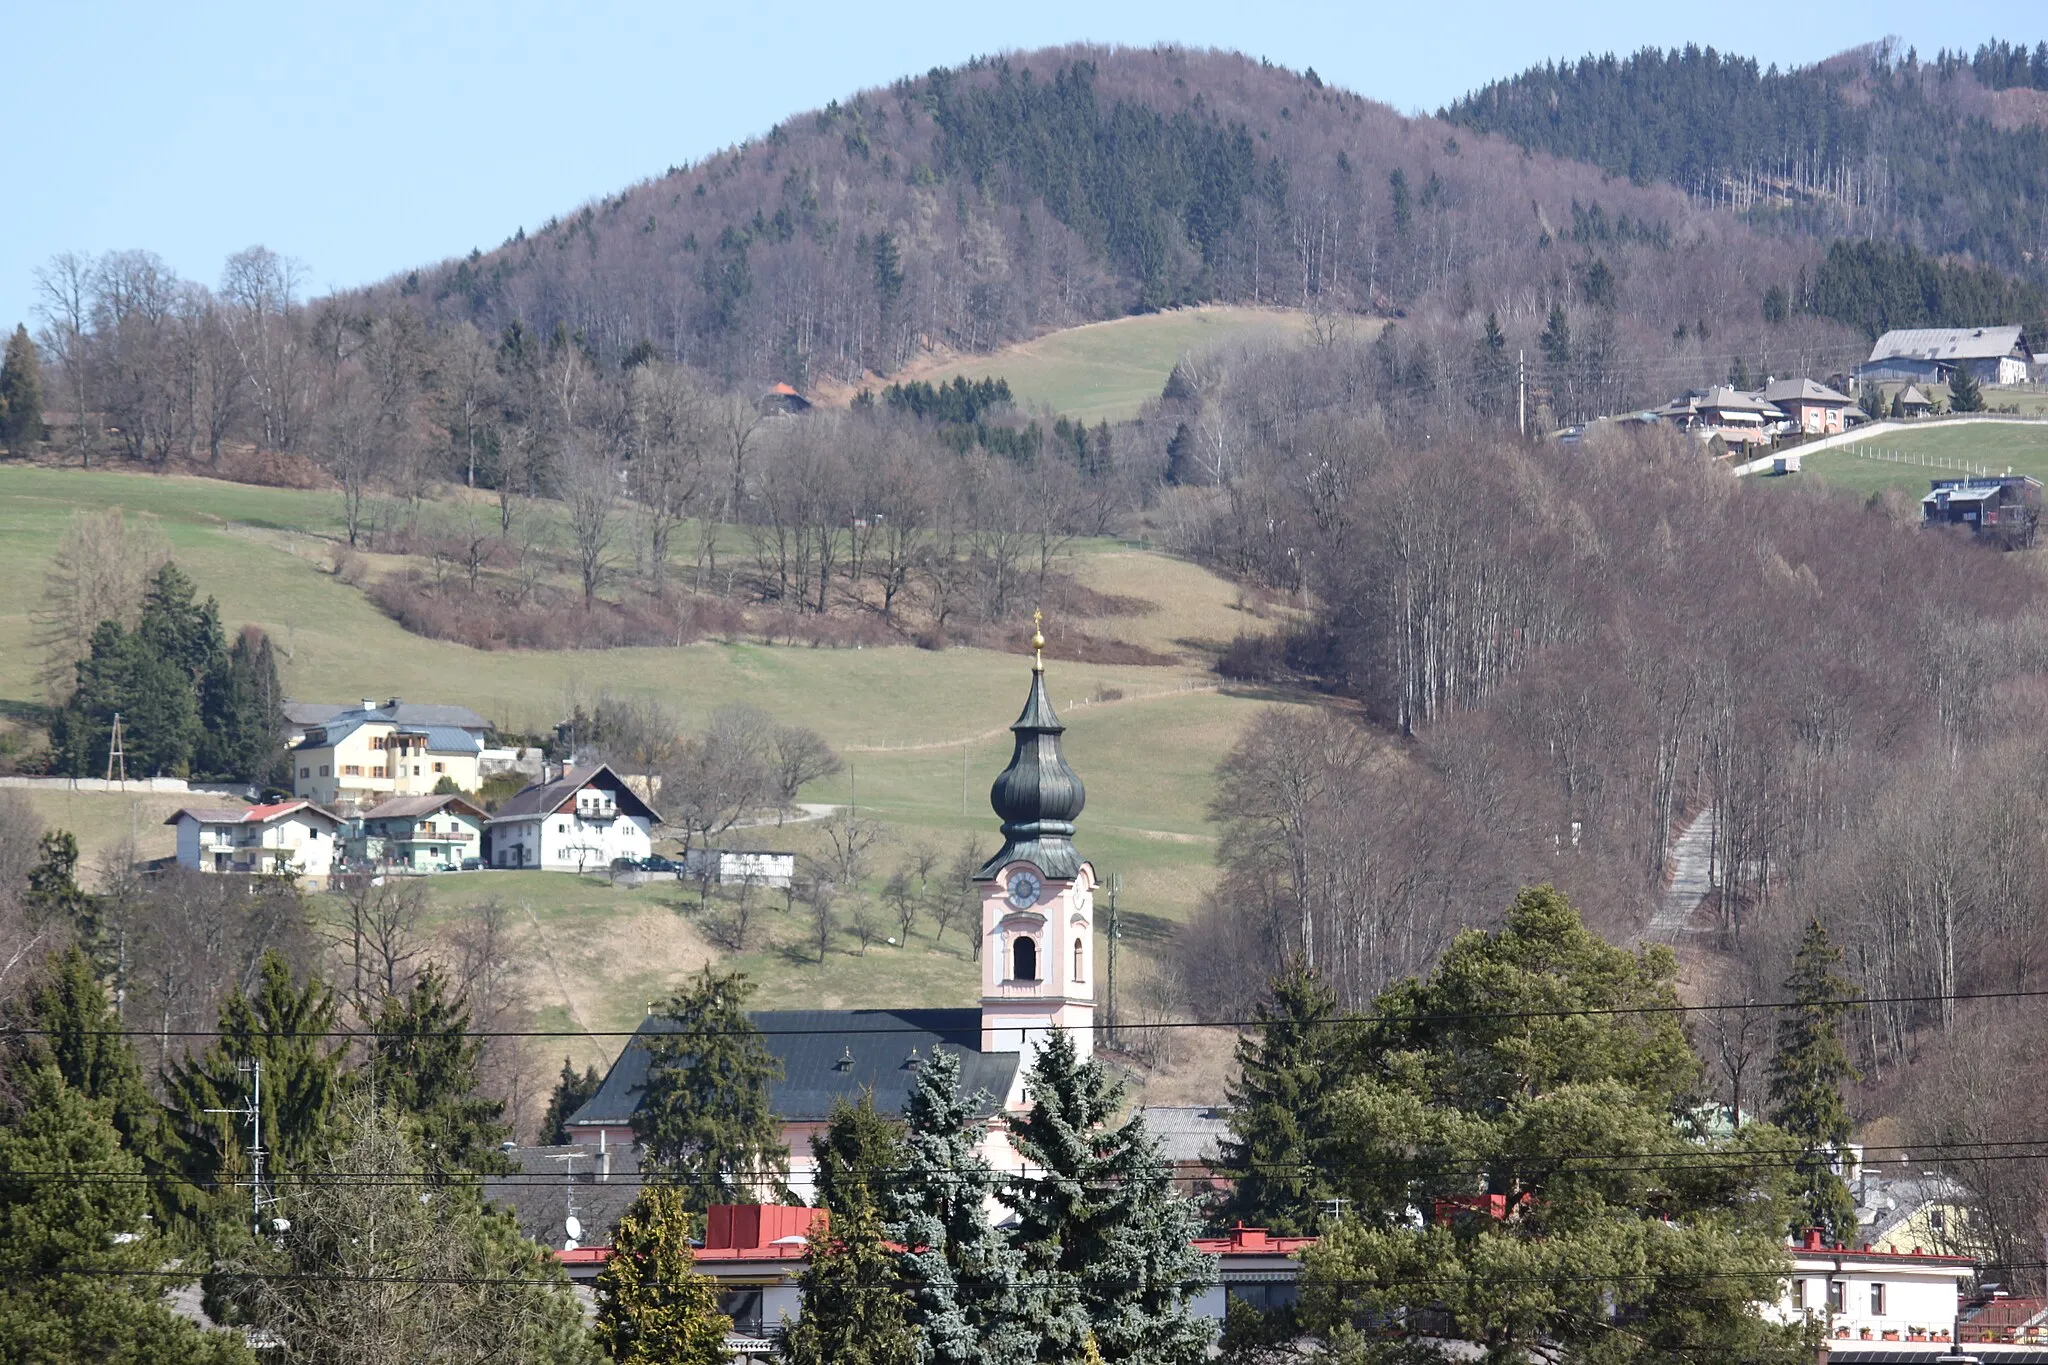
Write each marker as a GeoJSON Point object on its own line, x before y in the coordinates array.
{"type": "Point", "coordinates": [247, 815]}
{"type": "Point", "coordinates": [828, 1055]}
{"type": "Point", "coordinates": [413, 807]}
{"type": "Point", "coordinates": [1949, 343]}
{"type": "Point", "coordinates": [545, 798]}
{"type": "Point", "coordinates": [1912, 394]}
{"type": "Point", "coordinates": [1803, 391]}
{"type": "Point", "coordinates": [441, 739]}
{"type": "Point", "coordinates": [404, 712]}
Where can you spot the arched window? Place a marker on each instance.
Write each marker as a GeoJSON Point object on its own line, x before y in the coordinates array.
{"type": "Point", "coordinates": [1077, 959]}
{"type": "Point", "coordinates": [1026, 961]}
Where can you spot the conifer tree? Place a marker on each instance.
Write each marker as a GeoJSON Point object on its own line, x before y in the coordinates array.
{"type": "Point", "coordinates": [572, 1092]}
{"type": "Point", "coordinates": [80, 1264]}
{"type": "Point", "coordinates": [1965, 393]}
{"type": "Point", "coordinates": [423, 1063]}
{"type": "Point", "coordinates": [1808, 1070]}
{"type": "Point", "coordinates": [21, 393]}
{"type": "Point", "coordinates": [855, 1311]}
{"type": "Point", "coordinates": [704, 1118]}
{"type": "Point", "coordinates": [1290, 1067]}
{"type": "Point", "coordinates": [653, 1307]}
{"type": "Point", "coordinates": [964, 1277]}
{"type": "Point", "coordinates": [80, 1039]}
{"type": "Point", "coordinates": [1108, 1244]}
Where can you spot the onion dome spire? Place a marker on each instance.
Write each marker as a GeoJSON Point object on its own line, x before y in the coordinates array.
{"type": "Point", "coordinates": [1038, 796]}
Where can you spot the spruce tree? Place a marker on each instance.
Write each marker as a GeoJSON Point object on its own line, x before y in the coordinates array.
{"type": "Point", "coordinates": [1108, 1244]}
{"type": "Point", "coordinates": [704, 1117]}
{"type": "Point", "coordinates": [423, 1063]}
{"type": "Point", "coordinates": [1965, 393]}
{"type": "Point", "coordinates": [855, 1311]}
{"type": "Point", "coordinates": [1290, 1067]}
{"type": "Point", "coordinates": [80, 1263]}
{"type": "Point", "coordinates": [21, 394]}
{"type": "Point", "coordinates": [653, 1306]}
{"type": "Point", "coordinates": [572, 1092]}
{"type": "Point", "coordinates": [78, 1035]}
{"type": "Point", "coordinates": [1808, 1070]}
{"type": "Point", "coordinates": [965, 1279]}
{"type": "Point", "coordinates": [242, 715]}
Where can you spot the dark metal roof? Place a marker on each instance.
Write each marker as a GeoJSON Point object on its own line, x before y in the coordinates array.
{"type": "Point", "coordinates": [545, 798]}
{"type": "Point", "coordinates": [539, 1193]}
{"type": "Point", "coordinates": [828, 1055]}
{"type": "Point", "coordinates": [404, 712]}
{"type": "Point", "coordinates": [1038, 796]}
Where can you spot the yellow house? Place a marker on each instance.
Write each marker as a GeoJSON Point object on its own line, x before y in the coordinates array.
{"type": "Point", "coordinates": [366, 756]}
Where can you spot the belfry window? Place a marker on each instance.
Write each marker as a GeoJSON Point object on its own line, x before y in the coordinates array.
{"type": "Point", "coordinates": [1025, 961]}
{"type": "Point", "coordinates": [1077, 959]}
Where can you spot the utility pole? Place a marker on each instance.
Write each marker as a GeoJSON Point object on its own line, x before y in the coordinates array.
{"type": "Point", "coordinates": [252, 1116]}
{"type": "Point", "coordinates": [1521, 391]}
{"type": "Point", "coordinates": [117, 759]}
{"type": "Point", "coordinates": [963, 777]}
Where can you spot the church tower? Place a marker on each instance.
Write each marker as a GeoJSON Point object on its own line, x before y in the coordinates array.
{"type": "Point", "coordinates": [1037, 895]}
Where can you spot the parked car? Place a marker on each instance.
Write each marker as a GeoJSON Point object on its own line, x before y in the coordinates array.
{"type": "Point", "coordinates": [656, 863]}
{"type": "Point", "coordinates": [472, 864]}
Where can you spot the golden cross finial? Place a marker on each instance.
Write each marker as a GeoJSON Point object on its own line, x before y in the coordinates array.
{"type": "Point", "coordinates": [1037, 642]}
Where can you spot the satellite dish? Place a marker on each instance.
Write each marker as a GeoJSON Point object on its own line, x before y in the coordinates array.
{"type": "Point", "coordinates": [574, 1227]}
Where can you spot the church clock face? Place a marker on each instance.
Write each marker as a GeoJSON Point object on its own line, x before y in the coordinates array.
{"type": "Point", "coordinates": [1024, 889]}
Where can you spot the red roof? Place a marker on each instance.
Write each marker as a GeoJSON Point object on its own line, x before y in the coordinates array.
{"type": "Point", "coordinates": [1244, 1241]}
{"type": "Point", "coordinates": [258, 814]}
{"type": "Point", "coordinates": [785, 389]}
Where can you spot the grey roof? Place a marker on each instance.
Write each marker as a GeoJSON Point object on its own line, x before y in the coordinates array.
{"type": "Point", "coordinates": [545, 798]}
{"type": "Point", "coordinates": [1187, 1132]}
{"type": "Point", "coordinates": [405, 713]}
{"type": "Point", "coordinates": [1038, 796]}
{"type": "Point", "coordinates": [828, 1055]}
{"type": "Point", "coordinates": [1912, 394]}
{"type": "Point", "coordinates": [1802, 391]}
{"type": "Point", "coordinates": [441, 739]}
{"type": "Point", "coordinates": [1948, 343]}
{"type": "Point", "coordinates": [539, 1192]}
{"type": "Point", "coordinates": [403, 807]}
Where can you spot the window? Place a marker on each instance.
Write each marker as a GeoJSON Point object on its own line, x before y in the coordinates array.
{"type": "Point", "coordinates": [376, 741]}
{"type": "Point", "coordinates": [1025, 961]}
{"type": "Point", "coordinates": [1798, 1295]}
{"type": "Point", "coordinates": [1837, 1298]}
{"type": "Point", "coordinates": [308, 772]}
{"type": "Point", "coordinates": [1077, 959]}
{"type": "Point", "coordinates": [440, 767]}
{"type": "Point", "coordinates": [355, 770]}
{"type": "Point", "coordinates": [323, 770]}
{"type": "Point", "coordinates": [1876, 1299]}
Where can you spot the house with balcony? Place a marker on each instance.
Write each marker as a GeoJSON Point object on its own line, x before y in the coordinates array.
{"type": "Point", "coordinates": [1863, 1294]}
{"type": "Point", "coordinates": [294, 837]}
{"type": "Point", "coordinates": [418, 833]}
{"type": "Point", "coordinates": [361, 757]}
{"type": "Point", "coordinates": [582, 820]}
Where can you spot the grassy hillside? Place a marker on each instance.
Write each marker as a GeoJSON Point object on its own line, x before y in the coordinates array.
{"type": "Point", "coordinates": [923, 734]}
{"type": "Point", "coordinates": [1108, 370]}
{"type": "Point", "coordinates": [1906, 460]}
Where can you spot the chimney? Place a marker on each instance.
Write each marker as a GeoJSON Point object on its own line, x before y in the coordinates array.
{"type": "Point", "coordinates": [604, 1155]}
{"type": "Point", "coordinates": [369, 703]}
{"type": "Point", "coordinates": [393, 703]}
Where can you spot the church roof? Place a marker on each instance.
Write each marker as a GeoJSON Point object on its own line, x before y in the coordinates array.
{"type": "Point", "coordinates": [828, 1055]}
{"type": "Point", "coordinates": [1038, 796]}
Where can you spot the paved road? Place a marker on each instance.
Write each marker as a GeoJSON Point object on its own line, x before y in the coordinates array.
{"type": "Point", "coordinates": [1691, 879]}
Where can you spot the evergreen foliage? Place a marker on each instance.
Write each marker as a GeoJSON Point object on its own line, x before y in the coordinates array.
{"type": "Point", "coordinates": [21, 393]}
{"type": "Point", "coordinates": [1107, 1242]}
{"type": "Point", "coordinates": [1879, 286]}
{"type": "Point", "coordinates": [855, 1309]}
{"type": "Point", "coordinates": [704, 1119]}
{"type": "Point", "coordinates": [1519, 1047]}
{"type": "Point", "coordinates": [653, 1307]}
{"type": "Point", "coordinates": [1965, 394]}
{"type": "Point", "coordinates": [964, 1277]}
{"type": "Point", "coordinates": [54, 895]}
{"type": "Point", "coordinates": [80, 1039]}
{"type": "Point", "coordinates": [1283, 1131]}
{"type": "Point", "coordinates": [423, 1064]}
{"type": "Point", "coordinates": [1808, 1070]}
{"type": "Point", "coordinates": [966, 413]}
{"type": "Point", "coordinates": [79, 1260]}
{"type": "Point", "coordinates": [572, 1092]}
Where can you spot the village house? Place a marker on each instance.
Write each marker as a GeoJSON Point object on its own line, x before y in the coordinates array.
{"type": "Point", "coordinates": [302, 716]}
{"type": "Point", "coordinates": [360, 757]}
{"type": "Point", "coordinates": [1929, 355]}
{"type": "Point", "coordinates": [583, 820]}
{"type": "Point", "coordinates": [1810, 409]}
{"type": "Point", "coordinates": [295, 837]}
{"type": "Point", "coordinates": [1862, 1294]}
{"type": "Point", "coordinates": [2003, 508]}
{"type": "Point", "coordinates": [1740, 419]}
{"type": "Point", "coordinates": [418, 833]}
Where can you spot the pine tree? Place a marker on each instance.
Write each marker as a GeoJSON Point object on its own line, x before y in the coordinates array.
{"type": "Point", "coordinates": [1290, 1067]}
{"type": "Point", "coordinates": [572, 1092]}
{"type": "Point", "coordinates": [704, 1118]}
{"type": "Point", "coordinates": [423, 1063]}
{"type": "Point", "coordinates": [21, 393]}
{"type": "Point", "coordinates": [157, 702]}
{"type": "Point", "coordinates": [1108, 1244]}
{"type": "Point", "coordinates": [1808, 1071]}
{"type": "Point", "coordinates": [964, 1277]}
{"type": "Point", "coordinates": [80, 1039]}
{"type": "Point", "coordinates": [1965, 393]}
{"type": "Point", "coordinates": [242, 715]}
{"type": "Point", "coordinates": [80, 1264]}
{"type": "Point", "coordinates": [854, 1308]}
{"type": "Point", "coordinates": [653, 1307]}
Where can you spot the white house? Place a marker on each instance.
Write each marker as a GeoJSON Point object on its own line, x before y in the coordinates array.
{"type": "Point", "coordinates": [291, 836]}
{"type": "Point", "coordinates": [581, 821]}
{"type": "Point", "coordinates": [1861, 1294]}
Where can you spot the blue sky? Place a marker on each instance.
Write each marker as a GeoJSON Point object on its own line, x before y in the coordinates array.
{"type": "Point", "coordinates": [367, 138]}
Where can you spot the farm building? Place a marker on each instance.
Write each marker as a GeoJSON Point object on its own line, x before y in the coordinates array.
{"type": "Point", "coordinates": [1928, 355]}
{"type": "Point", "coordinates": [2001, 507]}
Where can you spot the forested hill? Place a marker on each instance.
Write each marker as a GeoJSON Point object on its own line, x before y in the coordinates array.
{"type": "Point", "coordinates": [970, 207]}
{"type": "Point", "coordinates": [1951, 155]}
